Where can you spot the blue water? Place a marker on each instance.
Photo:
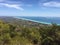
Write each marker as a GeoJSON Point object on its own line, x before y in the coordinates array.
{"type": "Point", "coordinates": [46, 20]}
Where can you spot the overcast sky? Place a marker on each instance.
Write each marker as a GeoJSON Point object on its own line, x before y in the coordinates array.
{"type": "Point", "coordinates": [50, 8]}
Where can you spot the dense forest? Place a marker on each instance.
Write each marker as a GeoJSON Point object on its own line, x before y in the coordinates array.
{"type": "Point", "coordinates": [20, 32]}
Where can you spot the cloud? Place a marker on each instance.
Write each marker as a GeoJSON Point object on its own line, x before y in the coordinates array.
{"type": "Point", "coordinates": [12, 6]}
{"type": "Point", "coordinates": [17, 4]}
{"type": "Point", "coordinates": [51, 4]}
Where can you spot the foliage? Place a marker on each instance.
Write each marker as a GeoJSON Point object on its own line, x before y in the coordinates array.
{"type": "Point", "coordinates": [23, 35]}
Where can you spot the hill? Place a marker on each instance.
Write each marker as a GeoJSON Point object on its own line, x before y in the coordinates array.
{"type": "Point", "coordinates": [15, 31]}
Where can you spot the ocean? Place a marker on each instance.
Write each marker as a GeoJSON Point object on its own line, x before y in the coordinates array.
{"type": "Point", "coordinates": [45, 20]}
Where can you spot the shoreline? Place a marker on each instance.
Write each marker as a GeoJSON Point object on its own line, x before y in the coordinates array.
{"type": "Point", "coordinates": [35, 21]}
{"type": "Point", "coordinates": [32, 20]}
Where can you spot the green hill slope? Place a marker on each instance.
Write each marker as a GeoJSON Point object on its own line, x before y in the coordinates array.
{"type": "Point", "coordinates": [21, 32]}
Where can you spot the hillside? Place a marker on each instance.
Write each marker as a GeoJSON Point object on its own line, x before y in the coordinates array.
{"type": "Point", "coordinates": [15, 31]}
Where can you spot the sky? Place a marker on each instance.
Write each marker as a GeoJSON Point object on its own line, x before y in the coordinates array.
{"type": "Point", "coordinates": [44, 8]}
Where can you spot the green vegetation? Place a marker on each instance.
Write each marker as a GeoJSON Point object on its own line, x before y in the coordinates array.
{"type": "Point", "coordinates": [15, 34]}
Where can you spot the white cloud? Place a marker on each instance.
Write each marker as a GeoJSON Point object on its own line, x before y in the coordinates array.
{"type": "Point", "coordinates": [52, 4]}
{"type": "Point", "coordinates": [12, 6]}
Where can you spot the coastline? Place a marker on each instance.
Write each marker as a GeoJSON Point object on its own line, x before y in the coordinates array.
{"type": "Point", "coordinates": [33, 20]}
